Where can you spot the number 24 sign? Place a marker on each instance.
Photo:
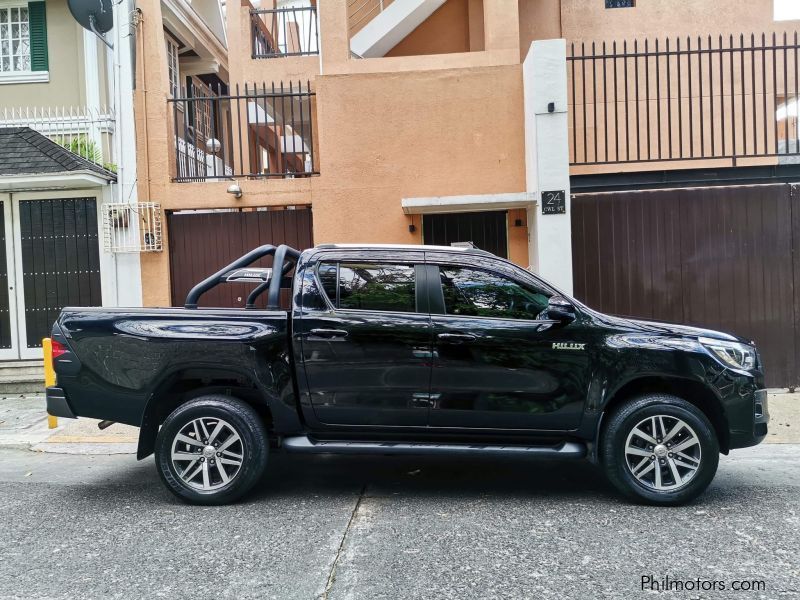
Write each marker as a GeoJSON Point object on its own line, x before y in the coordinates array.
{"type": "Point", "coordinates": [554, 203]}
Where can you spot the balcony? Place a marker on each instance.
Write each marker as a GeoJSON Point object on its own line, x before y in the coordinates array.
{"type": "Point", "coordinates": [713, 102]}
{"type": "Point", "coordinates": [256, 132]}
{"type": "Point", "coordinates": [284, 32]}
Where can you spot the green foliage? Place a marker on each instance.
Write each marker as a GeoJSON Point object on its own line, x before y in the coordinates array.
{"type": "Point", "coordinates": [86, 148]}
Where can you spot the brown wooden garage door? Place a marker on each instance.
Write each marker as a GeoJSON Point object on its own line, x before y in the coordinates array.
{"type": "Point", "coordinates": [717, 257]}
{"type": "Point", "coordinates": [202, 243]}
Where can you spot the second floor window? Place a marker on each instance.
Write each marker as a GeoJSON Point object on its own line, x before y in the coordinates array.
{"type": "Point", "coordinates": [15, 49]}
{"type": "Point", "coordinates": [173, 68]}
{"type": "Point", "coordinates": [23, 42]}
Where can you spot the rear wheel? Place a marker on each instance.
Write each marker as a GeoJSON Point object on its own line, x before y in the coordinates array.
{"type": "Point", "coordinates": [211, 450]}
{"type": "Point", "coordinates": [660, 449]}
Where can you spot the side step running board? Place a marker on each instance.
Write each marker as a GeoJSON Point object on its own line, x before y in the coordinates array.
{"type": "Point", "coordinates": [304, 444]}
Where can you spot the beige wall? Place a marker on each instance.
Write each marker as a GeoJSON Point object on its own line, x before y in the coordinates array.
{"type": "Point", "coordinates": [383, 135]}
{"type": "Point", "coordinates": [65, 49]}
{"type": "Point", "coordinates": [445, 31]}
{"type": "Point", "coordinates": [589, 20]}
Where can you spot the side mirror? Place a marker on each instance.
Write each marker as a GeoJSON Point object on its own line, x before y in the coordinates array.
{"type": "Point", "coordinates": [560, 309]}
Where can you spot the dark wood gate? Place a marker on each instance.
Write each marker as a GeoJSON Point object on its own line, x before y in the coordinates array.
{"type": "Point", "coordinates": [719, 257]}
{"type": "Point", "coordinates": [5, 302]}
{"type": "Point", "coordinates": [60, 260]}
{"type": "Point", "coordinates": [202, 243]}
{"type": "Point", "coordinates": [487, 230]}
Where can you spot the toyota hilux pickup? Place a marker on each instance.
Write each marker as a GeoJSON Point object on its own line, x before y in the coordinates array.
{"type": "Point", "coordinates": [407, 350]}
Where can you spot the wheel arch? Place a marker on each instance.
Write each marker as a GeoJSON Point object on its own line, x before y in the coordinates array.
{"type": "Point", "coordinates": [185, 385]}
{"type": "Point", "coordinates": [694, 392]}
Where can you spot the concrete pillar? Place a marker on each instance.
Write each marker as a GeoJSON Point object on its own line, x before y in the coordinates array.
{"type": "Point", "coordinates": [544, 75]}
{"type": "Point", "coordinates": [128, 288]}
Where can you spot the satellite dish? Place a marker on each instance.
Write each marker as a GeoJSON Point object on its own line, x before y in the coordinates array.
{"type": "Point", "coordinates": [95, 15]}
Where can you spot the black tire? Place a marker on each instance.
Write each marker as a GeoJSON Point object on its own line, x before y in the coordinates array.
{"type": "Point", "coordinates": [239, 418]}
{"type": "Point", "coordinates": [615, 459]}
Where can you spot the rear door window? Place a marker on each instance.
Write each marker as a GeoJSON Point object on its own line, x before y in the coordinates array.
{"type": "Point", "coordinates": [369, 286]}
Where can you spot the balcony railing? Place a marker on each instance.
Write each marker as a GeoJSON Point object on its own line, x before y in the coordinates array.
{"type": "Point", "coordinates": [283, 32]}
{"type": "Point", "coordinates": [87, 132]}
{"type": "Point", "coordinates": [685, 99]}
{"type": "Point", "coordinates": [259, 132]}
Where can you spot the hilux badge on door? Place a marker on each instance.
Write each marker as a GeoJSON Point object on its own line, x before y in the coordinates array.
{"type": "Point", "coordinates": [568, 346]}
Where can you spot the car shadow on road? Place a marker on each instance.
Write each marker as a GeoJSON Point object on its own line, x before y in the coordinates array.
{"type": "Point", "coordinates": [430, 476]}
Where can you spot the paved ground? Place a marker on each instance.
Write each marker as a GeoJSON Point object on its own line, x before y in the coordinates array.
{"type": "Point", "coordinates": [77, 526]}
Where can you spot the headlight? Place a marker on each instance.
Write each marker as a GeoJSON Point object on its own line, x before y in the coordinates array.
{"type": "Point", "coordinates": [731, 354]}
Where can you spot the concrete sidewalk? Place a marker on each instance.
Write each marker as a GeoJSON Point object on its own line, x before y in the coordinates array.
{"type": "Point", "coordinates": [23, 424]}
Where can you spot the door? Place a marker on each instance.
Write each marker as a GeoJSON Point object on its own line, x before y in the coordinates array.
{"type": "Point", "coordinates": [49, 259]}
{"type": "Point", "coordinates": [497, 360]}
{"type": "Point", "coordinates": [57, 264]}
{"type": "Point", "coordinates": [366, 352]}
{"type": "Point", "coordinates": [487, 230]}
{"type": "Point", "coordinates": [9, 347]}
{"type": "Point", "coordinates": [201, 243]}
{"type": "Point", "coordinates": [721, 257]}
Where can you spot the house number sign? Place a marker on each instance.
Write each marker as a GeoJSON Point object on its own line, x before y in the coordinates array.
{"type": "Point", "coordinates": [554, 203]}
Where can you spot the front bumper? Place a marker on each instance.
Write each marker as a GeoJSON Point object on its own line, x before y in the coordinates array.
{"type": "Point", "coordinates": [750, 428]}
{"type": "Point", "coordinates": [57, 404]}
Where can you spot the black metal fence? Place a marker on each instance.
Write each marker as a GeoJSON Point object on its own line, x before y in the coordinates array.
{"type": "Point", "coordinates": [284, 32]}
{"type": "Point", "coordinates": [684, 99]}
{"type": "Point", "coordinates": [257, 131]}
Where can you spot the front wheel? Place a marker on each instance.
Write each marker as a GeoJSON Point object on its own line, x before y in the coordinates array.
{"type": "Point", "coordinates": [660, 449]}
{"type": "Point", "coordinates": [211, 450]}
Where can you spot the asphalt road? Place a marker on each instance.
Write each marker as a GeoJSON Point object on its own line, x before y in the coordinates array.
{"type": "Point", "coordinates": [344, 527]}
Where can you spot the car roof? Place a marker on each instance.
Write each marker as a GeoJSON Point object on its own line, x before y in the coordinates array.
{"type": "Point", "coordinates": [408, 247]}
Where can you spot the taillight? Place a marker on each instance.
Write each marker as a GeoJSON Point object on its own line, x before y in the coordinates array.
{"type": "Point", "coordinates": [57, 349]}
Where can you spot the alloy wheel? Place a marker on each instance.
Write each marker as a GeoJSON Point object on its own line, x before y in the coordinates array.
{"type": "Point", "coordinates": [663, 453]}
{"type": "Point", "coordinates": [207, 453]}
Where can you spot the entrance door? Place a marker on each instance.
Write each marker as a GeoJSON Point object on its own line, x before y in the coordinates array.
{"type": "Point", "coordinates": [8, 326]}
{"type": "Point", "coordinates": [51, 259]}
{"type": "Point", "coordinates": [486, 230]}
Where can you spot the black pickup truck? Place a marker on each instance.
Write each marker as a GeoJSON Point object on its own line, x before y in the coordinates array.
{"type": "Point", "coordinates": [407, 350]}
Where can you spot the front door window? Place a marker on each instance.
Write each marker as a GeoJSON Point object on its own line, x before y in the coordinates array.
{"type": "Point", "coordinates": [473, 292]}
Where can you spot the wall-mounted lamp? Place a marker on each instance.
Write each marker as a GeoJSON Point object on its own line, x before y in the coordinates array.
{"type": "Point", "coordinates": [551, 107]}
{"type": "Point", "coordinates": [517, 222]}
{"type": "Point", "coordinates": [412, 228]}
{"type": "Point", "coordinates": [235, 190]}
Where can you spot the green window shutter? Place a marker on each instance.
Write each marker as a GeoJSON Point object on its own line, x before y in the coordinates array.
{"type": "Point", "coordinates": [38, 34]}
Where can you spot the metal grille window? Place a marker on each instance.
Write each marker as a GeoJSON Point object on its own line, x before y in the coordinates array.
{"type": "Point", "coordinates": [132, 227]}
{"type": "Point", "coordinates": [686, 98]}
{"type": "Point", "coordinates": [288, 31]}
{"type": "Point", "coordinates": [620, 3]}
{"type": "Point", "coordinates": [172, 67]}
{"type": "Point", "coordinates": [274, 132]}
{"type": "Point", "coordinates": [15, 49]}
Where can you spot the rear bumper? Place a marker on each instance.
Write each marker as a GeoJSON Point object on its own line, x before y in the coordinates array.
{"type": "Point", "coordinates": [57, 404]}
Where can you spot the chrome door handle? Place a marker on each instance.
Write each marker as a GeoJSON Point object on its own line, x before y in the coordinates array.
{"type": "Point", "coordinates": [329, 333]}
{"type": "Point", "coordinates": [456, 338]}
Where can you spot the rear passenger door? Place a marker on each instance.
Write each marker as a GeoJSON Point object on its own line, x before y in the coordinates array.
{"type": "Point", "coordinates": [366, 348]}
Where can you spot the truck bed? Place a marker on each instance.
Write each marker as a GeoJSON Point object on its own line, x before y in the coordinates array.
{"type": "Point", "coordinates": [119, 357]}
